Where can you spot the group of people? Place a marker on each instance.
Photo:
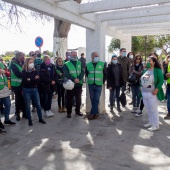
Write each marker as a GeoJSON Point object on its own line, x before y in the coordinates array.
{"type": "Point", "coordinates": [35, 80]}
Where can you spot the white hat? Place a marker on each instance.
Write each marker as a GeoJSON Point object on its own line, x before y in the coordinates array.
{"type": "Point", "coordinates": [68, 85]}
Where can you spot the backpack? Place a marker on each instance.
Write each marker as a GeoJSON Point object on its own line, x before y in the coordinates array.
{"type": "Point", "coordinates": [37, 63]}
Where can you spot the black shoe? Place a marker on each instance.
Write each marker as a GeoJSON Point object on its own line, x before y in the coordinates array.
{"type": "Point", "coordinates": [123, 105]}
{"type": "Point", "coordinates": [79, 114]}
{"type": "Point", "coordinates": [9, 122]}
{"type": "Point", "coordinates": [119, 110]}
{"type": "Point", "coordinates": [24, 116]}
{"type": "Point", "coordinates": [18, 117]}
{"type": "Point", "coordinates": [42, 121]}
{"type": "Point", "coordinates": [33, 109]}
{"type": "Point", "coordinates": [131, 103]}
{"type": "Point", "coordinates": [68, 115]}
{"type": "Point", "coordinates": [1, 125]}
{"type": "Point", "coordinates": [111, 109]}
{"type": "Point", "coordinates": [3, 131]}
{"type": "Point", "coordinates": [30, 123]}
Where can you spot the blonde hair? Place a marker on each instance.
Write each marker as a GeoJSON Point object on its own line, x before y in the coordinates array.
{"type": "Point", "coordinates": [46, 57]}
{"type": "Point", "coordinates": [58, 59]}
{"type": "Point", "coordinates": [25, 66]}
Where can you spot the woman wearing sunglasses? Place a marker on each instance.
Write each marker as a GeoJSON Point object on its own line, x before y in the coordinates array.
{"type": "Point", "coordinates": [136, 68]}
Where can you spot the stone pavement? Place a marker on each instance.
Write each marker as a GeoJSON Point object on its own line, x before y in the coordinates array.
{"type": "Point", "coordinates": [113, 142]}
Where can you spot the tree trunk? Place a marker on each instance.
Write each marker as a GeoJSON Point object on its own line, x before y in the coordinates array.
{"type": "Point", "coordinates": [61, 30]}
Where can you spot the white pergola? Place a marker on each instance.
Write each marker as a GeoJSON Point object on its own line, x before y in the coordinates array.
{"type": "Point", "coordinates": [119, 19]}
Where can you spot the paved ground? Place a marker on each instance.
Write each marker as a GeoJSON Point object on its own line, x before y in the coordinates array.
{"type": "Point", "coordinates": [114, 142]}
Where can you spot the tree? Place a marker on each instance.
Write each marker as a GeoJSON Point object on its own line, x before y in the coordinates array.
{"type": "Point", "coordinates": [140, 43]}
{"type": "Point", "coordinates": [61, 30]}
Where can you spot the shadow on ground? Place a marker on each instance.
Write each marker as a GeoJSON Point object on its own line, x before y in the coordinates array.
{"type": "Point", "coordinates": [113, 142]}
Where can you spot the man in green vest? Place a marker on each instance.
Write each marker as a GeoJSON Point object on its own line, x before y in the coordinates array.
{"type": "Point", "coordinates": [73, 70]}
{"type": "Point", "coordinates": [167, 77]}
{"type": "Point", "coordinates": [96, 73]}
{"type": "Point", "coordinates": [16, 84]}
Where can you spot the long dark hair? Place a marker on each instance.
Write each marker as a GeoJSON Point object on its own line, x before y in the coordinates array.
{"type": "Point", "coordinates": [154, 53]}
{"type": "Point", "coordinates": [138, 55]}
{"type": "Point", "coordinates": [130, 53]}
{"type": "Point", "coordinates": [157, 65]}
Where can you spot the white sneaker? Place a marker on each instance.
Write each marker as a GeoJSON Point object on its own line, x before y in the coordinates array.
{"type": "Point", "coordinates": [47, 114]}
{"type": "Point", "coordinates": [134, 110]}
{"type": "Point", "coordinates": [51, 113]}
{"type": "Point", "coordinates": [147, 125]}
{"type": "Point", "coordinates": [139, 113]}
{"type": "Point", "coordinates": [151, 129]}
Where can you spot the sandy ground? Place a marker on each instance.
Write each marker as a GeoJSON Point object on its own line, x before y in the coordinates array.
{"type": "Point", "coordinates": [113, 142]}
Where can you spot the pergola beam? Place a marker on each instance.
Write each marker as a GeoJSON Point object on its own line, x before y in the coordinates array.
{"type": "Point", "coordinates": [147, 32]}
{"type": "Point", "coordinates": [57, 11]}
{"type": "Point", "coordinates": [106, 5]}
{"type": "Point", "coordinates": [138, 21]}
{"type": "Point", "coordinates": [135, 13]}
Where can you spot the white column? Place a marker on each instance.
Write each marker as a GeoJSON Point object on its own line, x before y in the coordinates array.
{"type": "Point", "coordinates": [95, 42]}
{"type": "Point", "coordinates": [126, 42]}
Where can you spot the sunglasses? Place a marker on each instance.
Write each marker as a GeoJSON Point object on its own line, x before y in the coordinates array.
{"type": "Point", "coordinates": [138, 58]}
{"type": "Point", "coordinates": [33, 54]}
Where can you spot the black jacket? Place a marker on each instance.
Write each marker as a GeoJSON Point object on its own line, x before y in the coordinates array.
{"type": "Point", "coordinates": [46, 79]}
{"type": "Point", "coordinates": [32, 82]}
{"type": "Point", "coordinates": [111, 75]}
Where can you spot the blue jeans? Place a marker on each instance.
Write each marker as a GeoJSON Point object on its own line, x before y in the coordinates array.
{"type": "Point", "coordinates": [32, 94]}
{"type": "Point", "coordinates": [7, 104]}
{"type": "Point", "coordinates": [112, 96]}
{"type": "Point", "coordinates": [135, 95]}
{"type": "Point", "coordinates": [95, 93]}
{"type": "Point", "coordinates": [47, 98]}
{"type": "Point", "coordinates": [168, 99]}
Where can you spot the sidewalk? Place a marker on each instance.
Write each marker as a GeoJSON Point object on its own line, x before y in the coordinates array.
{"type": "Point", "coordinates": [113, 142]}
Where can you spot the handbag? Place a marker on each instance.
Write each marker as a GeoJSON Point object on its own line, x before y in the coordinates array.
{"type": "Point", "coordinates": [123, 99]}
{"type": "Point", "coordinates": [132, 79]}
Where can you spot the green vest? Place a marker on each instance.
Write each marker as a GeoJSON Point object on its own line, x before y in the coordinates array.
{"type": "Point", "coordinates": [168, 80]}
{"type": "Point", "coordinates": [3, 82]}
{"type": "Point", "coordinates": [74, 71]}
{"type": "Point", "coordinates": [2, 66]}
{"type": "Point", "coordinates": [58, 72]}
{"type": "Point", "coordinates": [16, 81]}
{"type": "Point", "coordinates": [95, 74]}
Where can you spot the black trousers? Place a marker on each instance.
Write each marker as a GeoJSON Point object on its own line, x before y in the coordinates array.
{"type": "Point", "coordinates": [61, 95]}
{"type": "Point", "coordinates": [77, 91]}
{"type": "Point", "coordinates": [19, 103]}
{"type": "Point", "coordinates": [141, 104]}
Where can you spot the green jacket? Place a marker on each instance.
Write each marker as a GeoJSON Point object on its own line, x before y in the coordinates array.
{"type": "Point", "coordinates": [158, 82]}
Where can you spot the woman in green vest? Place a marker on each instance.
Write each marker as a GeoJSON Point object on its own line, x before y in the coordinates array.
{"type": "Point", "coordinates": [152, 81]}
{"type": "Point", "coordinates": [5, 98]}
{"type": "Point", "coordinates": [60, 89]}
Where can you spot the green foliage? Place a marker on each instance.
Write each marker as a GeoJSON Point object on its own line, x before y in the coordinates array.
{"type": "Point", "coordinates": [140, 44]}
{"type": "Point", "coordinates": [114, 45]}
{"type": "Point", "coordinates": [7, 58]}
